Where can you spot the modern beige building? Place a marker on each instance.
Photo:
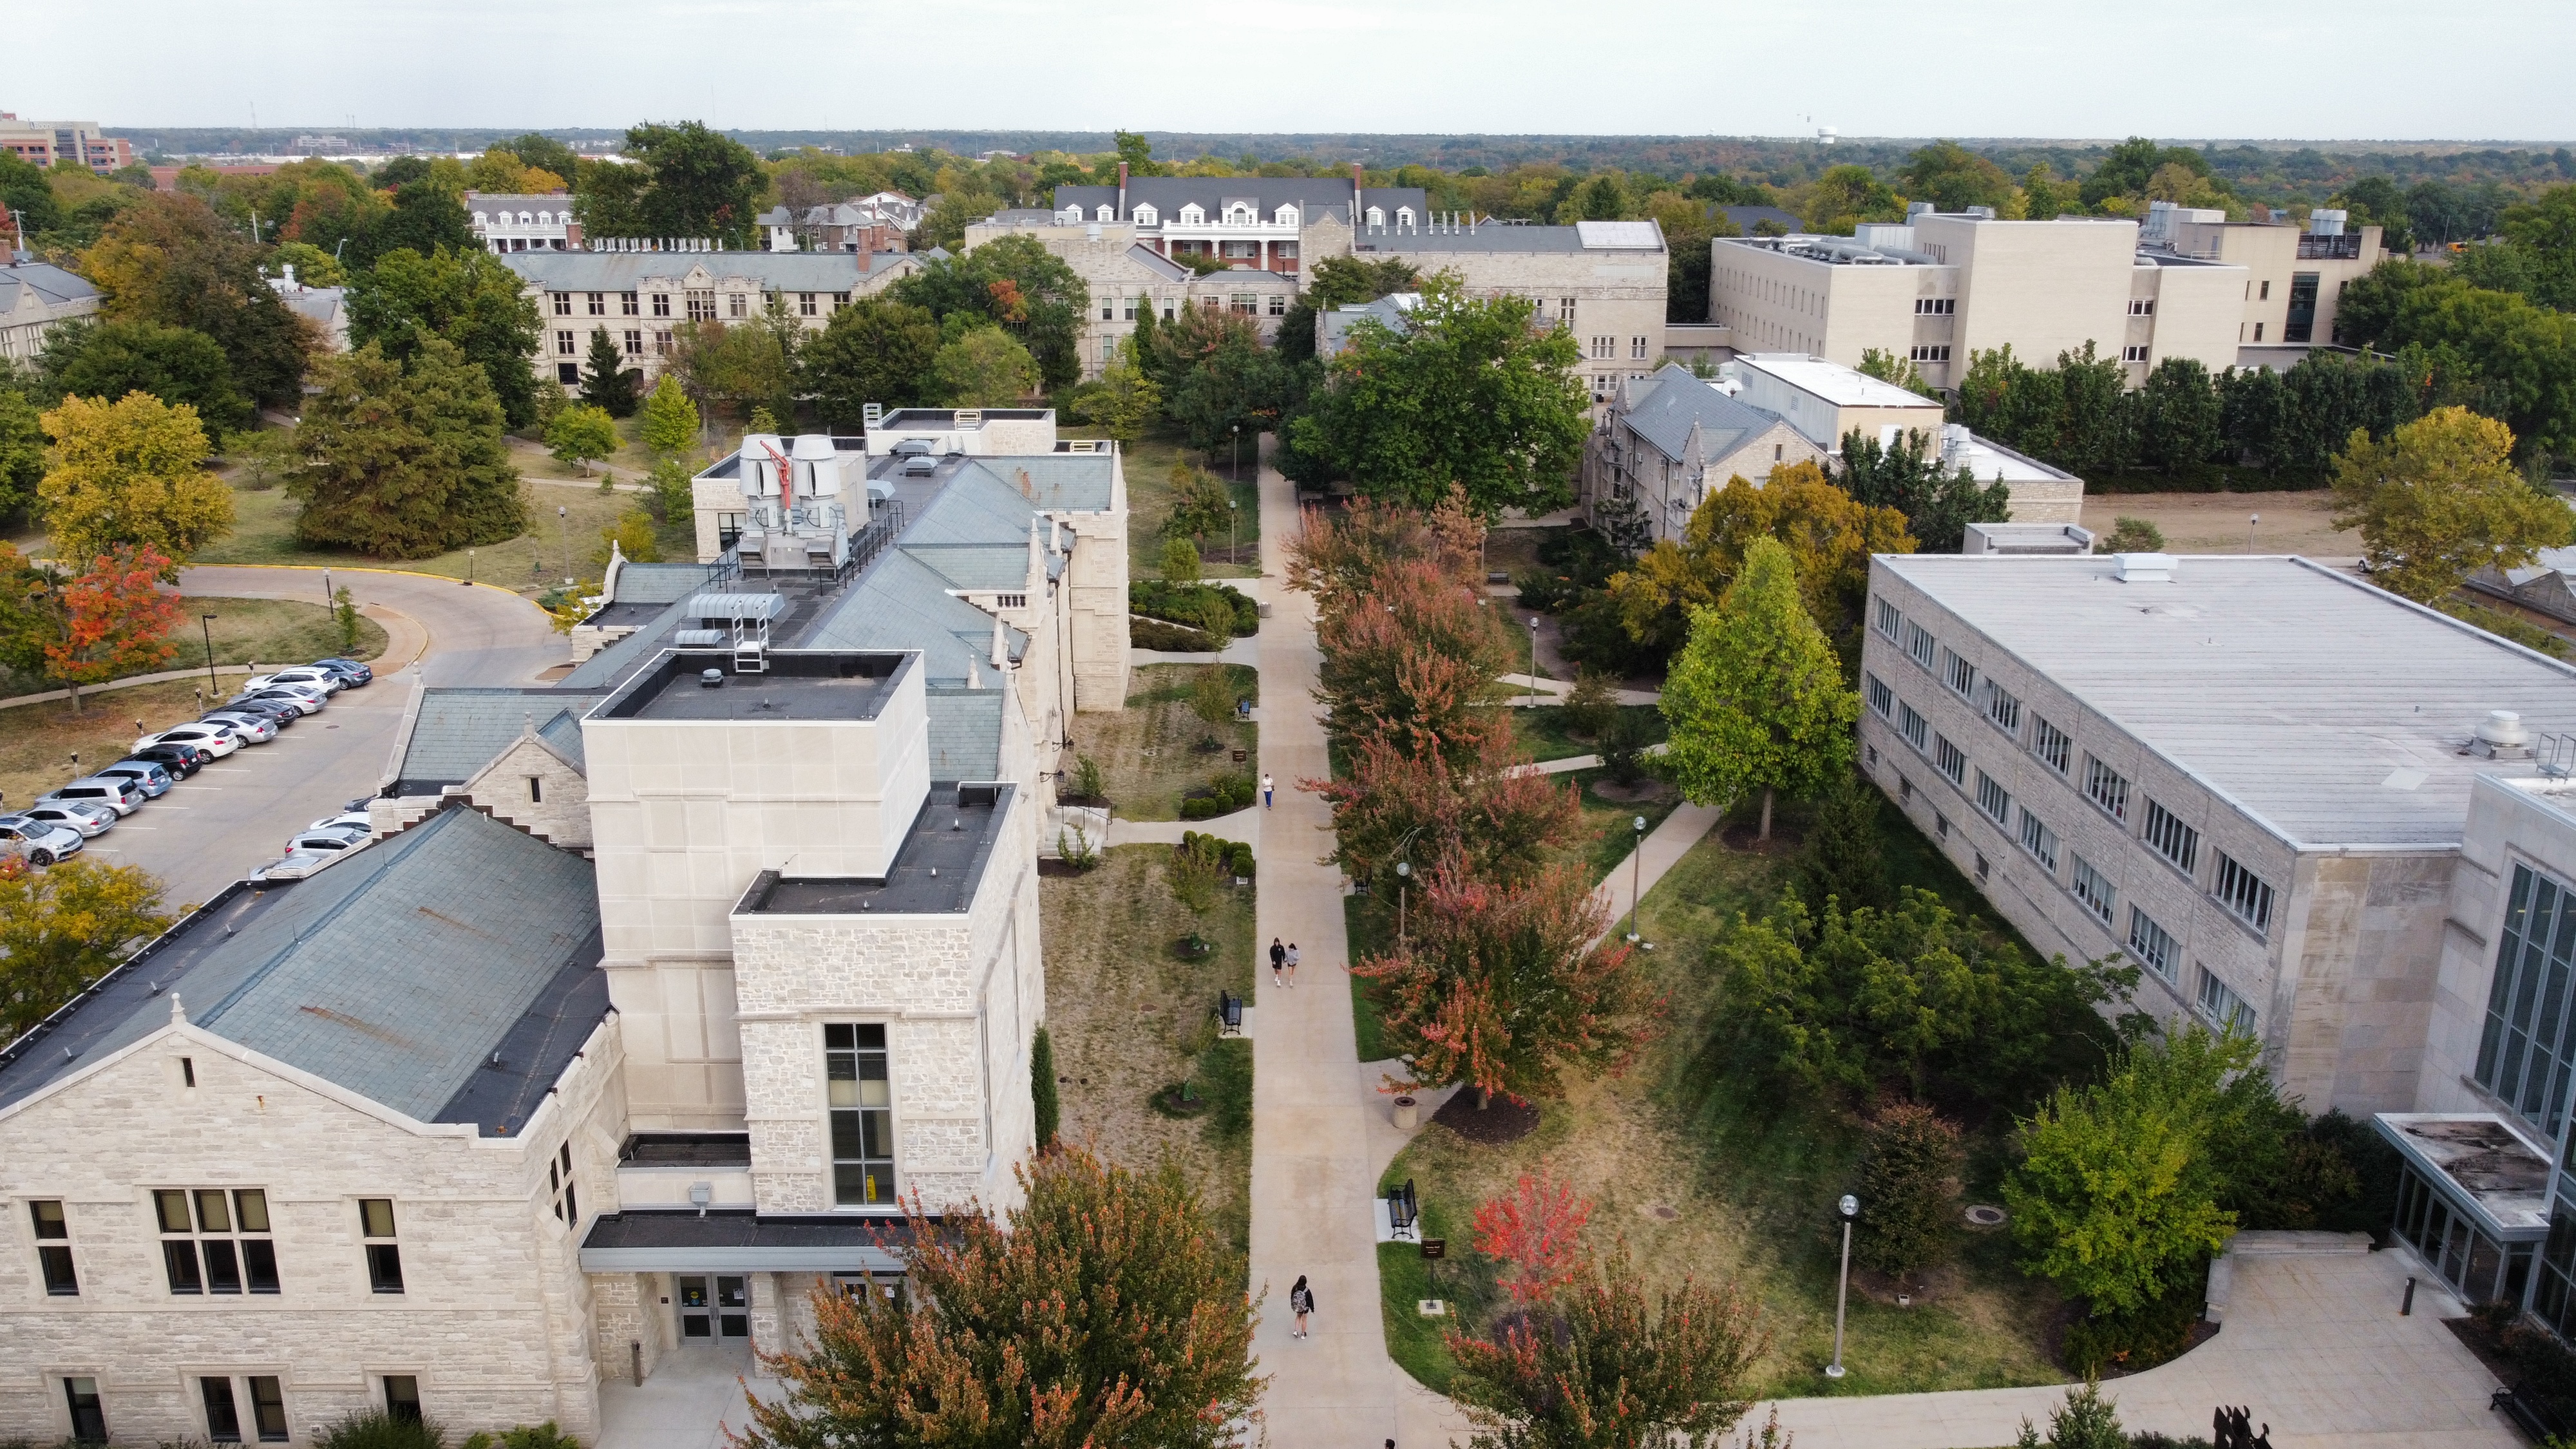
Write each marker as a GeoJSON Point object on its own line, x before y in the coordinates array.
{"type": "Point", "coordinates": [639, 297]}
{"type": "Point", "coordinates": [2294, 281]}
{"type": "Point", "coordinates": [1829, 402]}
{"type": "Point", "coordinates": [43, 143]}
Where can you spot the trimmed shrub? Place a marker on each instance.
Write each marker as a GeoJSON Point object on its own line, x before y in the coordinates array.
{"type": "Point", "coordinates": [1205, 606]}
{"type": "Point", "coordinates": [1050, 1112]}
{"type": "Point", "coordinates": [1909, 1189]}
{"type": "Point", "coordinates": [1236, 854]}
{"type": "Point", "coordinates": [376, 1429]}
{"type": "Point", "coordinates": [1165, 638]}
{"type": "Point", "coordinates": [1222, 796]}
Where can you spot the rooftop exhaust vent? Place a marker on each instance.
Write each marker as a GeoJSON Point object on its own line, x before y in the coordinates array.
{"type": "Point", "coordinates": [2145, 568]}
{"type": "Point", "coordinates": [2500, 736]}
{"type": "Point", "coordinates": [710, 679]}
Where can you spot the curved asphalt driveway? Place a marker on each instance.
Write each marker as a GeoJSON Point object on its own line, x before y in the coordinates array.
{"type": "Point", "coordinates": [236, 814]}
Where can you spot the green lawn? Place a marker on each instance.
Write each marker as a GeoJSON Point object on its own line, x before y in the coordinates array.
{"type": "Point", "coordinates": [1541, 731]}
{"type": "Point", "coordinates": [264, 533]}
{"type": "Point", "coordinates": [266, 631]}
{"type": "Point", "coordinates": [1149, 753]}
{"type": "Point", "coordinates": [1705, 1167]}
{"type": "Point", "coordinates": [1148, 464]}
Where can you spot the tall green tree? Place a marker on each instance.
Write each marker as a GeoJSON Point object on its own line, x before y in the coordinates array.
{"type": "Point", "coordinates": [464, 296]}
{"type": "Point", "coordinates": [703, 183]}
{"type": "Point", "coordinates": [1954, 178]}
{"type": "Point", "coordinates": [25, 192]}
{"type": "Point", "coordinates": [876, 350]}
{"type": "Point", "coordinates": [1757, 699]}
{"type": "Point", "coordinates": [2440, 500]}
{"type": "Point", "coordinates": [986, 367]}
{"type": "Point", "coordinates": [581, 435]}
{"type": "Point", "coordinates": [1218, 381]}
{"type": "Point", "coordinates": [544, 152]}
{"type": "Point", "coordinates": [670, 423]}
{"type": "Point", "coordinates": [22, 452]}
{"type": "Point", "coordinates": [170, 259]}
{"type": "Point", "coordinates": [1128, 399]}
{"type": "Point", "coordinates": [606, 383]}
{"type": "Point", "coordinates": [63, 928]}
{"type": "Point", "coordinates": [1105, 1309]}
{"type": "Point", "coordinates": [1908, 1190]}
{"type": "Point", "coordinates": [2180, 418]}
{"type": "Point", "coordinates": [1906, 475]}
{"type": "Point", "coordinates": [177, 365]}
{"type": "Point", "coordinates": [427, 213]}
{"type": "Point", "coordinates": [2116, 1198]}
{"type": "Point", "coordinates": [1016, 284]}
{"type": "Point", "coordinates": [131, 471]}
{"type": "Point", "coordinates": [405, 460]}
{"type": "Point", "coordinates": [1469, 394]}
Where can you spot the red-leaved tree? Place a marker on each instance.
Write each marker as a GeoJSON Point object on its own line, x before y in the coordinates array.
{"type": "Point", "coordinates": [114, 622]}
{"type": "Point", "coordinates": [1536, 1230]}
{"type": "Point", "coordinates": [1500, 986]}
{"type": "Point", "coordinates": [1408, 663]}
{"type": "Point", "coordinates": [1338, 558]}
{"type": "Point", "coordinates": [1416, 803]}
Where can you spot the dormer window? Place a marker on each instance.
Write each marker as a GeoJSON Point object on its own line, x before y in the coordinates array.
{"type": "Point", "coordinates": [1106, 212]}
{"type": "Point", "coordinates": [1147, 216]}
{"type": "Point", "coordinates": [545, 218]}
{"type": "Point", "coordinates": [1191, 215]}
{"type": "Point", "coordinates": [525, 219]}
{"type": "Point", "coordinates": [1377, 216]}
{"type": "Point", "coordinates": [1239, 214]}
{"type": "Point", "coordinates": [1287, 216]}
{"type": "Point", "coordinates": [1069, 215]}
{"type": "Point", "coordinates": [1404, 216]}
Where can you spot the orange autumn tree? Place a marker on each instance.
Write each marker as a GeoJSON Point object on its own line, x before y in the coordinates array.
{"type": "Point", "coordinates": [1537, 1230]}
{"type": "Point", "coordinates": [1503, 986]}
{"type": "Point", "coordinates": [114, 622]}
{"type": "Point", "coordinates": [1502, 817]}
{"type": "Point", "coordinates": [1406, 663]}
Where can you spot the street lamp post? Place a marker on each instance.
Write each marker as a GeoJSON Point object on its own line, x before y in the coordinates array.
{"type": "Point", "coordinates": [1230, 515]}
{"type": "Point", "coordinates": [206, 626]}
{"type": "Point", "coordinates": [1533, 661]}
{"type": "Point", "coordinates": [1234, 470]}
{"type": "Point", "coordinates": [563, 539]}
{"type": "Point", "coordinates": [2251, 524]}
{"type": "Point", "coordinates": [1847, 1209]}
{"type": "Point", "coordinates": [1636, 878]}
{"type": "Point", "coordinates": [1403, 877]}
{"type": "Point", "coordinates": [469, 568]}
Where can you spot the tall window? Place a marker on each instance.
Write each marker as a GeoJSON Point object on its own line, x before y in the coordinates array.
{"type": "Point", "coordinates": [1888, 618]}
{"type": "Point", "coordinates": [2246, 895]}
{"type": "Point", "coordinates": [563, 304]}
{"type": "Point", "coordinates": [384, 1255]}
{"type": "Point", "coordinates": [2003, 707]}
{"type": "Point", "coordinates": [54, 1249]}
{"type": "Point", "coordinates": [2049, 743]}
{"type": "Point", "coordinates": [563, 344]}
{"type": "Point", "coordinates": [862, 1106]}
{"type": "Point", "coordinates": [701, 306]}
{"type": "Point", "coordinates": [598, 302]}
{"type": "Point", "coordinates": [559, 1185]}
{"type": "Point", "coordinates": [805, 305]}
{"type": "Point", "coordinates": [1278, 304]}
{"type": "Point", "coordinates": [2106, 787]}
{"type": "Point", "coordinates": [634, 342]}
{"type": "Point", "coordinates": [213, 1241]}
{"type": "Point", "coordinates": [2225, 1009]}
{"type": "Point", "coordinates": [1918, 642]}
{"type": "Point", "coordinates": [223, 1416]}
{"type": "Point", "coordinates": [1882, 700]}
{"type": "Point", "coordinates": [661, 304]}
{"type": "Point", "coordinates": [1951, 762]}
{"type": "Point", "coordinates": [1565, 310]}
{"type": "Point", "coordinates": [1992, 798]}
{"type": "Point", "coordinates": [626, 304]}
{"type": "Point", "coordinates": [1910, 725]}
{"type": "Point", "coordinates": [1961, 675]}
{"type": "Point", "coordinates": [2152, 945]}
{"type": "Point", "coordinates": [2094, 889]}
{"type": "Point", "coordinates": [737, 304]}
{"type": "Point", "coordinates": [2171, 838]}
{"type": "Point", "coordinates": [2523, 1055]}
{"type": "Point", "coordinates": [268, 1408]}
{"type": "Point", "coordinates": [1636, 349]}
{"type": "Point", "coordinates": [2039, 840]}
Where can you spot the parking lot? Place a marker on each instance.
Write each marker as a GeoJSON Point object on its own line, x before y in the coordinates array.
{"type": "Point", "coordinates": [236, 814]}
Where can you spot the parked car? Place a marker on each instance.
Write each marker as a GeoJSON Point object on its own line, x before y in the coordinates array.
{"type": "Point", "coordinates": [320, 694]}
{"type": "Point", "coordinates": [155, 780]}
{"type": "Point", "coordinates": [214, 740]}
{"type": "Point", "coordinates": [336, 838]}
{"type": "Point", "coordinates": [297, 864]}
{"type": "Point", "coordinates": [329, 680]}
{"type": "Point", "coordinates": [123, 796]}
{"type": "Point", "coordinates": [345, 820]}
{"type": "Point", "coordinates": [36, 842]}
{"type": "Point", "coordinates": [180, 760]}
{"type": "Point", "coordinates": [289, 703]}
{"type": "Point", "coordinates": [253, 727]}
{"type": "Point", "coordinates": [90, 820]}
{"type": "Point", "coordinates": [354, 671]}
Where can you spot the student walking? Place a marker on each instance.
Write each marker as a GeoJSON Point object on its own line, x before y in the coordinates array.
{"type": "Point", "coordinates": [1278, 959]}
{"type": "Point", "coordinates": [1301, 1301]}
{"type": "Point", "coordinates": [1265, 791]}
{"type": "Point", "coordinates": [1292, 965]}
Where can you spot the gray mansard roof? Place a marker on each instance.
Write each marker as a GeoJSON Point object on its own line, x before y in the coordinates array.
{"type": "Point", "coordinates": [1586, 236]}
{"type": "Point", "coordinates": [1312, 195]}
{"type": "Point", "coordinates": [53, 286]}
{"type": "Point", "coordinates": [1663, 409]}
{"type": "Point", "coordinates": [448, 973]}
{"type": "Point", "coordinates": [2332, 711]}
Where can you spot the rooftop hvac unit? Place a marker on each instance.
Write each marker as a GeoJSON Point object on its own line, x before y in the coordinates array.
{"type": "Point", "coordinates": [2327, 223]}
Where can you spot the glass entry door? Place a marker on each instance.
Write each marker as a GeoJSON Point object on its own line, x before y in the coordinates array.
{"type": "Point", "coordinates": [714, 1307]}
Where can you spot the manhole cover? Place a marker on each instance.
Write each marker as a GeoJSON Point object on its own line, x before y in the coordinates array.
{"type": "Point", "coordinates": [1667, 1213]}
{"type": "Point", "coordinates": [1983, 1216]}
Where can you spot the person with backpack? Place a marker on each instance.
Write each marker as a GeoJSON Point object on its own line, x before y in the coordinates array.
{"type": "Point", "coordinates": [1301, 1301]}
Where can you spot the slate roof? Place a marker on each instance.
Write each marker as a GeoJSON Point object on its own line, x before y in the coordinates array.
{"type": "Point", "coordinates": [659, 583]}
{"type": "Point", "coordinates": [53, 286]}
{"type": "Point", "coordinates": [965, 732]}
{"type": "Point", "coordinates": [627, 271]}
{"type": "Point", "coordinates": [2265, 678]}
{"type": "Point", "coordinates": [1664, 411]}
{"type": "Point", "coordinates": [1311, 195]}
{"type": "Point", "coordinates": [459, 730]}
{"type": "Point", "coordinates": [1389, 312]}
{"type": "Point", "coordinates": [902, 603]}
{"type": "Point", "coordinates": [1589, 236]}
{"type": "Point", "coordinates": [1055, 482]}
{"type": "Point", "coordinates": [397, 974]}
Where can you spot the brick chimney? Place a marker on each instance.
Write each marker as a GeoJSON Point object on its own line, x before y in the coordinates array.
{"type": "Point", "coordinates": [1122, 191]}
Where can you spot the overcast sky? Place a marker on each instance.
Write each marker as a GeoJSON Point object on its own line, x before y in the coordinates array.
{"type": "Point", "coordinates": [2494, 69]}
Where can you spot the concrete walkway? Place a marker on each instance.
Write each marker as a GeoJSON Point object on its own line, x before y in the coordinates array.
{"type": "Point", "coordinates": [1665, 845]}
{"type": "Point", "coordinates": [1312, 1177]}
{"type": "Point", "coordinates": [1243, 825]}
{"type": "Point", "coordinates": [2312, 1345]}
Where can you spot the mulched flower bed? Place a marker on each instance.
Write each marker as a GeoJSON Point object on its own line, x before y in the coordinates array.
{"type": "Point", "coordinates": [1495, 1125]}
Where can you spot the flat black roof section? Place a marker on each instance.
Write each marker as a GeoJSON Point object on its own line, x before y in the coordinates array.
{"type": "Point", "coordinates": [798, 685]}
{"type": "Point", "coordinates": [686, 1149]}
{"type": "Point", "coordinates": [935, 871]}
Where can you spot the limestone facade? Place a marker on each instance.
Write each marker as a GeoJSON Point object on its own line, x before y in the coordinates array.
{"type": "Point", "coordinates": [642, 298]}
{"type": "Point", "coordinates": [494, 1318]}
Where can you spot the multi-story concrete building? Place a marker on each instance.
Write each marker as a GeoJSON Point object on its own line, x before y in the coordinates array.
{"type": "Point", "coordinates": [35, 298]}
{"type": "Point", "coordinates": [42, 143]}
{"type": "Point", "coordinates": [1942, 287]}
{"type": "Point", "coordinates": [640, 297]}
{"type": "Point", "coordinates": [658, 990]}
{"type": "Point", "coordinates": [2178, 760]}
{"type": "Point", "coordinates": [505, 224]}
{"type": "Point", "coordinates": [1602, 281]}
